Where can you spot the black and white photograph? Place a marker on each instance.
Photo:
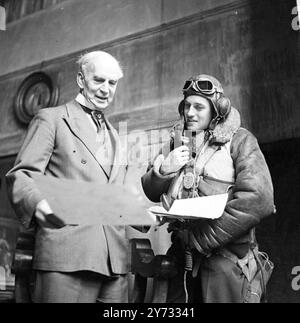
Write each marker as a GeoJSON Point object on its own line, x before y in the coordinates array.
{"type": "Point", "coordinates": [149, 154]}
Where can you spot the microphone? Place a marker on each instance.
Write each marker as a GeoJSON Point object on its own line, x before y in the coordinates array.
{"type": "Point", "coordinates": [181, 136]}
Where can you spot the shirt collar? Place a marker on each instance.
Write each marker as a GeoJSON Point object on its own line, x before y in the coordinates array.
{"type": "Point", "coordinates": [83, 101]}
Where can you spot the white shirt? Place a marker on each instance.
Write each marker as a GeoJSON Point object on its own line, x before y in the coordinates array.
{"type": "Point", "coordinates": [83, 101]}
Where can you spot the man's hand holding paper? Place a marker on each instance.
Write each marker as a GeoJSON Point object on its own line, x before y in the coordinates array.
{"type": "Point", "coordinates": [46, 218]}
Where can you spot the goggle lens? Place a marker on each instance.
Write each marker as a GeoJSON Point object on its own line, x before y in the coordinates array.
{"type": "Point", "coordinates": [205, 85]}
{"type": "Point", "coordinates": [187, 85]}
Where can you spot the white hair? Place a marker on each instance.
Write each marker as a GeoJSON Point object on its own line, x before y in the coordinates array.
{"type": "Point", "coordinates": [87, 58]}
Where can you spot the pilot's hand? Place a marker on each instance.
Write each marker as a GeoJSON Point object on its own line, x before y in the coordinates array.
{"type": "Point", "coordinates": [176, 225]}
{"type": "Point", "coordinates": [176, 159]}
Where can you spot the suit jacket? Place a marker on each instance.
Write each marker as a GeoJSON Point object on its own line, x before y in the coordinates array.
{"type": "Point", "coordinates": [61, 142]}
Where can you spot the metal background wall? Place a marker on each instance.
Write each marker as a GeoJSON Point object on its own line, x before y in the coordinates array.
{"type": "Point", "coordinates": [249, 45]}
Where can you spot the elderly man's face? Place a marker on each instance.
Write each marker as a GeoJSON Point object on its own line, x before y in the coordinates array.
{"type": "Point", "coordinates": [197, 113]}
{"type": "Point", "coordinates": [99, 83]}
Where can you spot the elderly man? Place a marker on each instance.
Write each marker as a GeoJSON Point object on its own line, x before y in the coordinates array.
{"type": "Point", "coordinates": [74, 141]}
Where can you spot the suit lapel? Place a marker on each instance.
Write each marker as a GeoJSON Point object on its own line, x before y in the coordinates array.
{"type": "Point", "coordinates": [81, 128]}
{"type": "Point", "coordinates": [116, 148]}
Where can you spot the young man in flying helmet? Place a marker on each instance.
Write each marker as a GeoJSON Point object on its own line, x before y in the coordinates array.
{"type": "Point", "coordinates": [210, 153]}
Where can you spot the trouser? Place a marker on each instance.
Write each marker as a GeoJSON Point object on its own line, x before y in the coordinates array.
{"type": "Point", "coordinates": [219, 280]}
{"type": "Point", "coordinates": [2, 278]}
{"type": "Point", "coordinates": [79, 287]}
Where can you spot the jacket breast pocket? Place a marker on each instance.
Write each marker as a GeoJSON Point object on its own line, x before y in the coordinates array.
{"type": "Point", "coordinates": [211, 186]}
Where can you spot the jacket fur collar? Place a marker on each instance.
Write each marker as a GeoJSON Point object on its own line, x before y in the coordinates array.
{"type": "Point", "coordinates": [225, 130]}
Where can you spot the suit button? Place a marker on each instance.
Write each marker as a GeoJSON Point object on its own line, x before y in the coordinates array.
{"type": "Point", "coordinates": [83, 161]}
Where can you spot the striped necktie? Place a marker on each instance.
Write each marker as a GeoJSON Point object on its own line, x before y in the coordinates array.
{"type": "Point", "coordinates": [97, 117]}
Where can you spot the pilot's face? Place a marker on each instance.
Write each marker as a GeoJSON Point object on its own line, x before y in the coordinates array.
{"type": "Point", "coordinates": [197, 113]}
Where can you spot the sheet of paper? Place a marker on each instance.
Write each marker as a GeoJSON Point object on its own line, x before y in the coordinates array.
{"type": "Point", "coordinates": [206, 207]}
{"type": "Point", "coordinates": [88, 203]}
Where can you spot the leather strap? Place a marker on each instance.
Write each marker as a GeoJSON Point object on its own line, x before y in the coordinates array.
{"type": "Point", "coordinates": [203, 159]}
{"type": "Point", "coordinates": [254, 248]}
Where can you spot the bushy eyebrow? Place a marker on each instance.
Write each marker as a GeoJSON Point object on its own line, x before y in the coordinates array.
{"type": "Point", "coordinates": [102, 79]}
{"type": "Point", "coordinates": [97, 78]}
